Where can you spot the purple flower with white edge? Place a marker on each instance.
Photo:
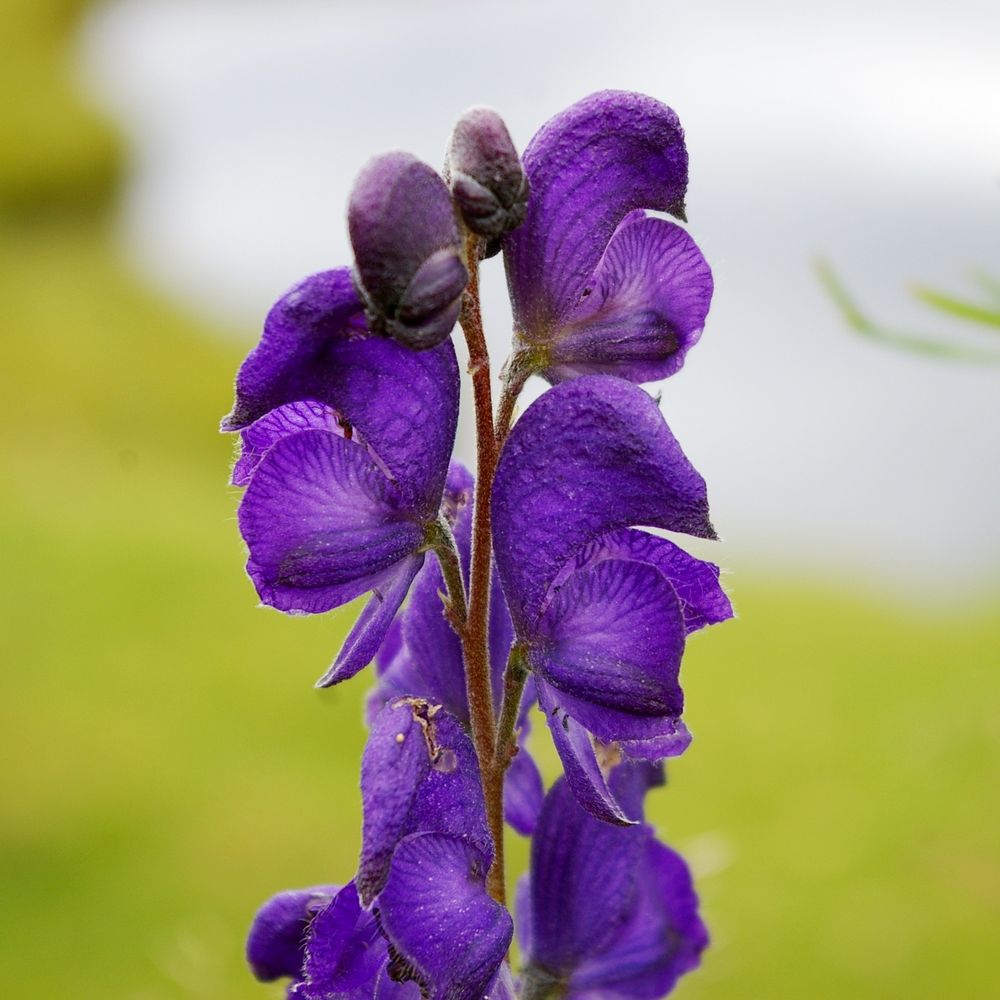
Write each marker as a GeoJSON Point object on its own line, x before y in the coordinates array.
{"type": "Point", "coordinates": [597, 284]}
{"type": "Point", "coordinates": [346, 442]}
{"type": "Point", "coordinates": [408, 250]}
{"type": "Point", "coordinates": [598, 612]}
{"type": "Point", "coordinates": [422, 655]}
{"type": "Point", "coordinates": [607, 913]}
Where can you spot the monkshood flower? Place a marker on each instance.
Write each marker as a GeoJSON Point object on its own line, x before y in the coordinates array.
{"type": "Point", "coordinates": [418, 913]}
{"type": "Point", "coordinates": [346, 442]}
{"type": "Point", "coordinates": [407, 249]}
{"type": "Point", "coordinates": [540, 582]}
{"type": "Point", "coordinates": [601, 614]}
{"type": "Point", "coordinates": [422, 656]}
{"type": "Point", "coordinates": [598, 284]}
{"type": "Point", "coordinates": [328, 945]}
{"type": "Point", "coordinates": [607, 913]}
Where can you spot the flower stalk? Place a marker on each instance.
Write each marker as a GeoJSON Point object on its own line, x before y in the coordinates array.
{"type": "Point", "coordinates": [475, 640]}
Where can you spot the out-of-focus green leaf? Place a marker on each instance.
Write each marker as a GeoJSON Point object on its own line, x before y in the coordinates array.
{"type": "Point", "coordinates": [985, 315]}
{"type": "Point", "coordinates": [987, 283]}
{"type": "Point", "coordinates": [915, 343]}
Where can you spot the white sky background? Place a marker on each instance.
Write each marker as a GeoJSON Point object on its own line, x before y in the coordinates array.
{"type": "Point", "coordinates": [865, 131]}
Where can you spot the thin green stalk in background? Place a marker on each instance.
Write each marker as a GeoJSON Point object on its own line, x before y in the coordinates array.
{"type": "Point", "coordinates": [917, 343]}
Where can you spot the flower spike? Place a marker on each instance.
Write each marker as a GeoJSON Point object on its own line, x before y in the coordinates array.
{"type": "Point", "coordinates": [540, 583]}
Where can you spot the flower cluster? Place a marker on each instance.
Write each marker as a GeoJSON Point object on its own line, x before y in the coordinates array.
{"type": "Point", "coordinates": [535, 582]}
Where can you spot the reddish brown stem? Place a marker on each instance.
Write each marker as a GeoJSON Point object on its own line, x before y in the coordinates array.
{"type": "Point", "coordinates": [475, 642]}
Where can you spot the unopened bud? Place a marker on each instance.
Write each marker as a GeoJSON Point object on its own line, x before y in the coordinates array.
{"type": "Point", "coordinates": [485, 175]}
{"type": "Point", "coordinates": [407, 250]}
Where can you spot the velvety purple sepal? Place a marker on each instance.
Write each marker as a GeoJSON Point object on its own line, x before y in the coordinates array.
{"type": "Point", "coordinates": [419, 773]}
{"type": "Point", "coordinates": [613, 637]}
{"type": "Point", "coordinates": [344, 951]}
{"type": "Point", "coordinates": [632, 780]}
{"type": "Point", "coordinates": [298, 348]}
{"type": "Point", "coordinates": [661, 938]}
{"type": "Point", "coordinates": [583, 772]}
{"type": "Point", "coordinates": [672, 741]}
{"type": "Point", "coordinates": [597, 285]}
{"type": "Point", "coordinates": [587, 457]}
{"type": "Point", "coordinates": [643, 309]}
{"type": "Point", "coordinates": [277, 935]}
{"type": "Point", "coordinates": [444, 930]}
{"type": "Point", "coordinates": [401, 405]}
{"type": "Point", "coordinates": [582, 880]}
{"type": "Point", "coordinates": [608, 913]}
{"type": "Point", "coordinates": [272, 427]}
{"type": "Point", "coordinates": [407, 249]}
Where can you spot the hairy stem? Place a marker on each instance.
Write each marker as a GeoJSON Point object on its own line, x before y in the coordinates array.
{"type": "Point", "coordinates": [475, 641]}
{"type": "Point", "coordinates": [440, 539]}
{"type": "Point", "coordinates": [515, 375]}
{"type": "Point", "coordinates": [514, 678]}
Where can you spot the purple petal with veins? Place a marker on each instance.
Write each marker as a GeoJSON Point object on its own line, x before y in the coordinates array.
{"type": "Point", "coordinates": [642, 310]}
{"type": "Point", "coordinates": [322, 524]}
{"type": "Point", "coordinates": [444, 930]}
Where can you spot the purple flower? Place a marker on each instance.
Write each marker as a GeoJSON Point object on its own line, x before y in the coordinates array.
{"type": "Point", "coordinates": [426, 851]}
{"type": "Point", "coordinates": [419, 774]}
{"type": "Point", "coordinates": [326, 944]}
{"type": "Point", "coordinates": [598, 285]}
{"type": "Point", "coordinates": [346, 442]}
{"type": "Point", "coordinates": [407, 249]}
{"type": "Point", "coordinates": [278, 933]}
{"type": "Point", "coordinates": [601, 614]}
{"type": "Point", "coordinates": [607, 913]}
{"type": "Point", "coordinates": [331, 948]}
{"type": "Point", "coordinates": [418, 911]}
{"type": "Point", "coordinates": [422, 656]}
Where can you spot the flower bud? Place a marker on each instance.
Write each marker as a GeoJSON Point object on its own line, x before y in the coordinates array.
{"type": "Point", "coordinates": [485, 175]}
{"type": "Point", "coordinates": [407, 250]}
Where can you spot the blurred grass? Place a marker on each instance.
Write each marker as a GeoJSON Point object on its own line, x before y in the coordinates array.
{"type": "Point", "coordinates": [166, 764]}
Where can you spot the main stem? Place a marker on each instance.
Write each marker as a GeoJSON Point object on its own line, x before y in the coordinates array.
{"type": "Point", "coordinates": [475, 641]}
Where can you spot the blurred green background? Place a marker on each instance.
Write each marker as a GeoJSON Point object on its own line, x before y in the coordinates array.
{"type": "Point", "coordinates": [167, 764]}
